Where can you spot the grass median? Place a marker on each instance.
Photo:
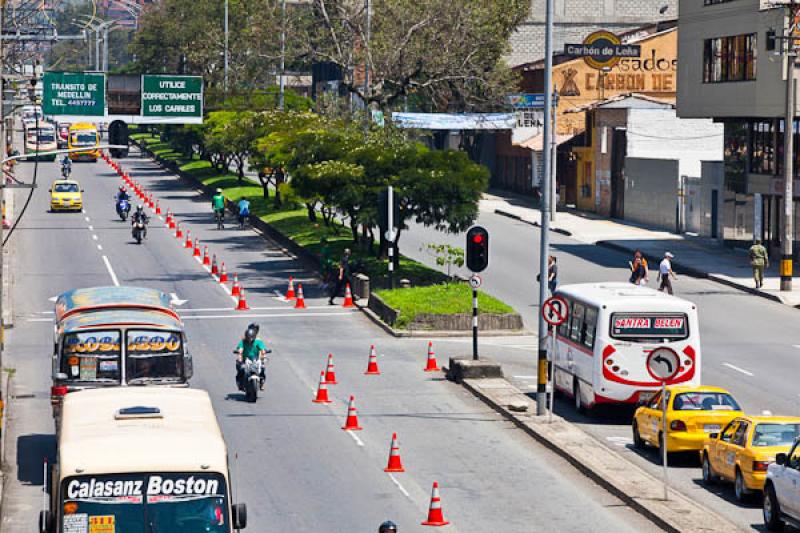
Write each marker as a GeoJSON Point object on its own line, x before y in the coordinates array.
{"type": "Point", "coordinates": [429, 292]}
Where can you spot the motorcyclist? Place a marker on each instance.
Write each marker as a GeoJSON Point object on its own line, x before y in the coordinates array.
{"type": "Point", "coordinates": [140, 216]}
{"type": "Point", "coordinates": [388, 527]}
{"type": "Point", "coordinates": [250, 347]}
{"type": "Point", "coordinates": [66, 165]}
{"type": "Point", "coordinates": [218, 203]}
{"type": "Point", "coordinates": [122, 194]}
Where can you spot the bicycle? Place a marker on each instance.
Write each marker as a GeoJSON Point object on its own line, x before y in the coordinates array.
{"type": "Point", "coordinates": [219, 216]}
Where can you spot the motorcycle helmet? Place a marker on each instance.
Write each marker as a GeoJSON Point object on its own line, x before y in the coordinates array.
{"type": "Point", "coordinates": [121, 188]}
{"type": "Point", "coordinates": [139, 208]}
{"type": "Point", "coordinates": [219, 191]}
{"type": "Point", "coordinates": [255, 327]}
{"type": "Point", "coordinates": [388, 527]}
{"type": "Point", "coordinates": [250, 334]}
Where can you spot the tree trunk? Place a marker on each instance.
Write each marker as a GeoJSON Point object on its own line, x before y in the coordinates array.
{"type": "Point", "coordinates": [312, 213]}
{"type": "Point", "coordinates": [279, 179]}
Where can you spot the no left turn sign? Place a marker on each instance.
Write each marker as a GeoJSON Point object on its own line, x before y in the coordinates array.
{"type": "Point", "coordinates": [555, 310]}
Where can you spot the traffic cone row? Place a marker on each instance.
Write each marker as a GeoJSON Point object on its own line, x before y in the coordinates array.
{"type": "Point", "coordinates": [178, 231]}
{"type": "Point", "coordinates": [236, 288]}
{"type": "Point", "coordinates": [206, 259]}
{"type": "Point", "coordinates": [214, 268]}
{"type": "Point", "coordinates": [223, 275]}
{"type": "Point", "coordinates": [196, 252]}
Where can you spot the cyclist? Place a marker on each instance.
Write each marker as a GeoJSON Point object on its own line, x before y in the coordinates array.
{"type": "Point", "coordinates": [218, 206]}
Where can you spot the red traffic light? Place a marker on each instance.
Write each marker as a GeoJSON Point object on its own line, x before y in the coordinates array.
{"type": "Point", "coordinates": [477, 238]}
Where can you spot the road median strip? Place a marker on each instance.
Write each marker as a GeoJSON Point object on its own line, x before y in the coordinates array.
{"type": "Point", "coordinates": [638, 489]}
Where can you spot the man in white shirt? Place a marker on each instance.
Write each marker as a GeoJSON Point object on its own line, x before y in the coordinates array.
{"type": "Point", "coordinates": [664, 273]}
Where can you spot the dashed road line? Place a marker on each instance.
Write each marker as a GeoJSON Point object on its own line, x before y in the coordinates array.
{"type": "Point", "coordinates": [274, 315]}
{"type": "Point", "coordinates": [111, 271]}
{"type": "Point", "coordinates": [355, 438]}
{"type": "Point", "coordinates": [399, 486]}
{"type": "Point", "coordinates": [100, 247]}
{"type": "Point", "coordinates": [94, 237]}
{"type": "Point", "coordinates": [736, 368]}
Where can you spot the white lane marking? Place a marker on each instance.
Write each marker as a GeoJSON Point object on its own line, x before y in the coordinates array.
{"type": "Point", "coordinates": [796, 345]}
{"type": "Point", "coordinates": [111, 271]}
{"type": "Point", "coordinates": [175, 300]}
{"type": "Point", "coordinates": [399, 486]}
{"type": "Point", "coordinates": [94, 237]}
{"type": "Point", "coordinates": [40, 320]}
{"type": "Point", "coordinates": [91, 228]}
{"type": "Point", "coordinates": [742, 370]}
{"type": "Point", "coordinates": [47, 312]}
{"type": "Point", "coordinates": [355, 438]}
{"type": "Point", "coordinates": [86, 218]}
{"type": "Point", "coordinates": [100, 247]}
{"type": "Point", "coordinates": [281, 308]}
{"type": "Point", "coordinates": [525, 377]}
{"type": "Point", "coordinates": [275, 315]}
{"type": "Point", "coordinates": [53, 298]}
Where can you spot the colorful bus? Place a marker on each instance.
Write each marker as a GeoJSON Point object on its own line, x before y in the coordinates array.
{"type": "Point", "coordinates": [117, 336]}
{"type": "Point", "coordinates": [41, 139]}
{"type": "Point", "coordinates": [84, 135]}
{"type": "Point", "coordinates": [141, 460]}
{"type": "Point", "coordinates": [600, 352]}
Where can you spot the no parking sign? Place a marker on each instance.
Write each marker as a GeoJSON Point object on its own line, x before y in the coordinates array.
{"type": "Point", "coordinates": [555, 310]}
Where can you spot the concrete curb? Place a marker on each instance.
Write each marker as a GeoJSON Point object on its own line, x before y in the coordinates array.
{"type": "Point", "coordinates": [531, 222]}
{"type": "Point", "coordinates": [632, 485]}
{"type": "Point", "coordinates": [695, 273]}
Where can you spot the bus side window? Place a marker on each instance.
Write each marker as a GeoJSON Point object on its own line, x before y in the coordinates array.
{"type": "Point", "coordinates": [576, 322]}
{"type": "Point", "coordinates": [563, 329]}
{"type": "Point", "coordinates": [589, 327]}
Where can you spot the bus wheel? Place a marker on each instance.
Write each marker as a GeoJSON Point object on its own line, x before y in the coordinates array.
{"type": "Point", "coordinates": [638, 442]}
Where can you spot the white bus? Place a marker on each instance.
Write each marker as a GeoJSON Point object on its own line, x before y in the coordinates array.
{"type": "Point", "coordinates": [601, 350]}
{"type": "Point", "coordinates": [141, 460]}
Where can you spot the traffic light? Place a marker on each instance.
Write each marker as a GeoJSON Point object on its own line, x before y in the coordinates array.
{"type": "Point", "coordinates": [477, 249]}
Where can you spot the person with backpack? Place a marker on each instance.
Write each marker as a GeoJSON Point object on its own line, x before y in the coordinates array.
{"type": "Point", "coordinates": [759, 260]}
{"type": "Point", "coordinates": [244, 211]}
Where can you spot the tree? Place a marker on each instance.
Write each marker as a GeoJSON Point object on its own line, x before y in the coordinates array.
{"type": "Point", "coordinates": [448, 51]}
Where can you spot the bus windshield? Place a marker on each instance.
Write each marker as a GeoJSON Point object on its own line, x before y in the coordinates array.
{"type": "Point", "coordinates": [146, 503]}
{"type": "Point", "coordinates": [647, 327]}
{"type": "Point", "coordinates": [92, 356]}
{"type": "Point", "coordinates": [84, 139]}
{"type": "Point", "coordinates": [153, 356]}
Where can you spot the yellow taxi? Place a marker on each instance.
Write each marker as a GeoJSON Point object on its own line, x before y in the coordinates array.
{"type": "Point", "coordinates": [693, 412]}
{"type": "Point", "coordinates": [66, 195]}
{"type": "Point", "coordinates": [744, 448]}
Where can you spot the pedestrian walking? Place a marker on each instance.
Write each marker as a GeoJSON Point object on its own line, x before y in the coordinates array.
{"type": "Point", "coordinates": [552, 274]}
{"type": "Point", "coordinates": [637, 254]}
{"type": "Point", "coordinates": [343, 277]}
{"type": "Point", "coordinates": [638, 272]}
{"type": "Point", "coordinates": [665, 272]}
{"type": "Point", "coordinates": [759, 260]}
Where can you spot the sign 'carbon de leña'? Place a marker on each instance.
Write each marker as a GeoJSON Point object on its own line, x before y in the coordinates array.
{"type": "Point", "coordinates": [172, 96]}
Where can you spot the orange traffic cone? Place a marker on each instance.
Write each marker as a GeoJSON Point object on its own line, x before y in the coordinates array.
{"type": "Point", "coordinates": [351, 424]}
{"type": "Point", "coordinates": [242, 305]}
{"type": "Point", "coordinates": [435, 515]}
{"type": "Point", "coordinates": [196, 252]}
{"type": "Point", "coordinates": [432, 366]}
{"type": "Point", "coordinates": [348, 297]}
{"type": "Point", "coordinates": [206, 259]}
{"type": "Point", "coordinates": [301, 301]}
{"type": "Point", "coordinates": [171, 224]}
{"type": "Point", "coordinates": [188, 239]}
{"type": "Point", "coordinates": [372, 365]}
{"type": "Point", "coordinates": [158, 208]}
{"type": "Point", "coordinates": [236, 288]}
{"type": "Point", "coordinates": [290, 291]}
{"type": "Point", "coordinates": [214, 269]}
{"type": "Point", "coordinates": [322, 390]}
{"type": "Point", "coordinates": [330, 371]}
{"type": "Point", "coordinates": [223, 274]}
{"type": "Point", "coordinates": [395, 464]}
{"type": "Point", "coordinates": [178, 231]}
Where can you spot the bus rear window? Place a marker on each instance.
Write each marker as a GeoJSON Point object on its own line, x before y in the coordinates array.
{"type": "Point", "coordinates": [633, 326]}
{"type": "Point", "coordinates": [91, 356]}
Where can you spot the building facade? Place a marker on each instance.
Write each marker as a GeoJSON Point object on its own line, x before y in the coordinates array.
{"type": "Point", "coordinates": [575, 19]}
{"type": "Point", "coordinates": [729, 71]}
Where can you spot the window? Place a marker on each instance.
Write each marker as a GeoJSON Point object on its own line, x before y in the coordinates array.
{"type": "Point", "coordinates": [563, 329]}
{"type": "Point", "coordinates": [731, 58]}
{"type": "Point", "coordinates": [712, 2]}
{"type": "Point", "coordinates": [589, 327]}
{"type": "Point", "coordinates": [576, 322]}
{"type": "Point", "coordinates": [775, 434]}
{"type": "Point", "coordinates": [705, 401]}
{"type": "Point", "coordinates": [762, 152]}
{"type": "Point", "coordinates": [91, 356]}
{"type": "Point", "coordinates": [643, 327]}
{"type": "Point", "coordinates": [740, 435]}
{"type": "Point", "coordinates": [727, 433]}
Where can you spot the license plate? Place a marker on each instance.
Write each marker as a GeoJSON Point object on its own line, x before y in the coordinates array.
{"type": "Point", "coordinates": [711, 428]}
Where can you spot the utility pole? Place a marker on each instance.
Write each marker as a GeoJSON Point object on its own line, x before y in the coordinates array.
{"type": "Point", "coordinates": [105, 47]}
{"type": "Point", "coordinates": [788, 160]}
{"type": "Point", "coordinates": [554, 160]}
{"type": "Point", "coordinates": [368, 36]}
{"type": "Point", "coordinates": [3, 156]}
{"type": "Point", "coordinates": [225, 81]}
{"type": "Point", "coordinates": [544, 243]}
{"type": "Point", "coordinates": [97, 49]}
{"type": "Point", "coordinates": [282, 82]}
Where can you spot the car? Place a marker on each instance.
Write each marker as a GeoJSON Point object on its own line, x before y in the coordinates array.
{"type": "Point", "coordinates": [743, 450]}
{"type": "Point", "coordinates": [66, 195]}
{"type": "Point", "coordinates": [692, 413]}
{"type": "Point", "coordinates": [781, 503]}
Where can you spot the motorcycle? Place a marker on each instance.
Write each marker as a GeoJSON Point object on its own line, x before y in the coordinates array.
{"type": "Point", "coordinates": [139, 231]}
{"type": "Point", "coordinates": [249, 379]}
{"type": "Point", "coordinates": [66, 170]}
{"type": "Point", "coordinates": [123, 209]}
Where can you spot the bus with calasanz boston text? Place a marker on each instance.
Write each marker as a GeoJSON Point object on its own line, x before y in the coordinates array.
{"type": "Point", "coordinates": [140, 460]}
{"type": "Point", "coordinates": [599, 353]}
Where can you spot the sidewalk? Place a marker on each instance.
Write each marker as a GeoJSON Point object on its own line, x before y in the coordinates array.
{"type": "Point", "coordinates": [695, 256]}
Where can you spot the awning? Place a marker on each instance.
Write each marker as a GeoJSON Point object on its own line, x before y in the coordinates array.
{"type": "Point", "coordinates": [455, 121]}
{"type": "Point", "coordinates": [535, 142]}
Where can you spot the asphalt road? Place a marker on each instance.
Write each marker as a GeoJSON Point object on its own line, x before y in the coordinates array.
{"type": "Point", "coordinates": [750, 345]}
{"type": "Point", "coordinates": [295, 468]}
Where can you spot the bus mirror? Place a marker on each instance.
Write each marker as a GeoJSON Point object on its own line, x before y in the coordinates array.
{"type": "Point", "coordinates": [239, 515]}
{"type": "Point", "coordinates": [46, 522]}
{"type": "Point", "coordinates": [781, 459]}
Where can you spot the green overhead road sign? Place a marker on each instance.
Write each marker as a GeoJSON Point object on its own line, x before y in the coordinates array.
{"type": "Point", "coordinates": [68, 93]}
{"type": "Point", "coordinates": [172, 96]}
